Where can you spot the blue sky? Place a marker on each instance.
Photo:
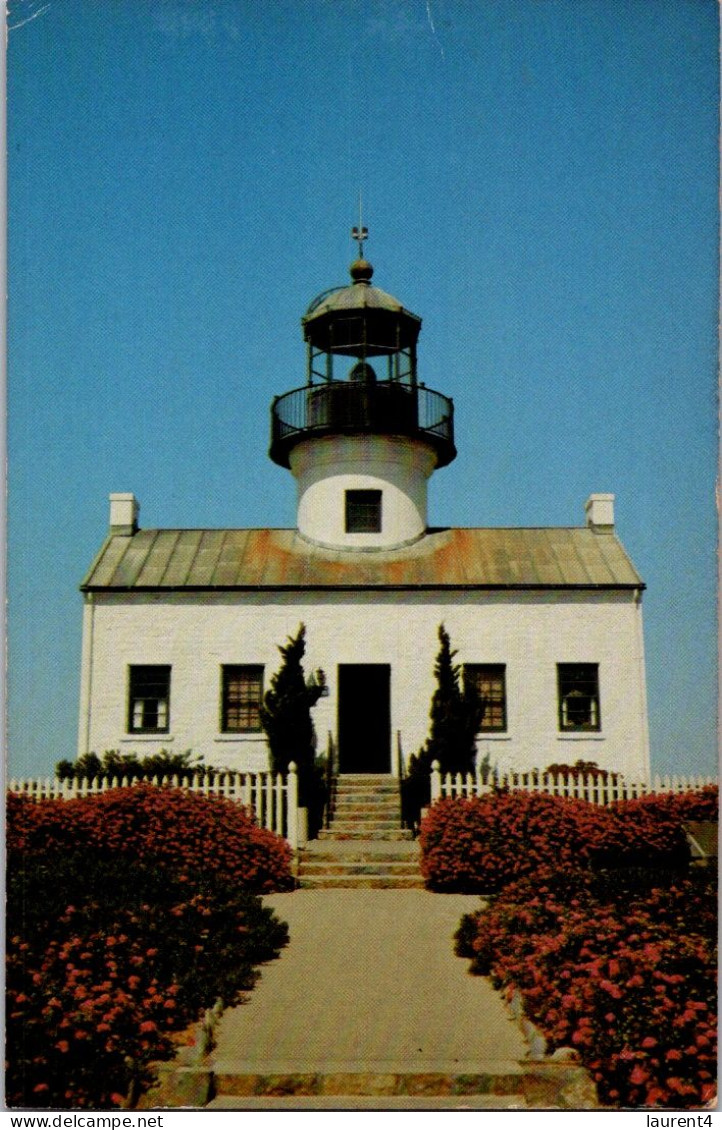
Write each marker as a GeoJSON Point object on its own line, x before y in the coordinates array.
{"type": "Point", "coordinates": [540, 183]}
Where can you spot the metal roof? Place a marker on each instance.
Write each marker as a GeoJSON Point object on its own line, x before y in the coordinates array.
{"type": "Point", "coordinates": [357, 296]}
{"type": "Point", "coordinates": [272, 559]}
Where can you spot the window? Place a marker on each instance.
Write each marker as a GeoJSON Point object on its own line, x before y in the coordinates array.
{"type": "Point", "coordinates": [579, 696]}
{"type": "Point", "coordinates": [149, 700]}
{"type": "Point", "coordinates": [490, 682]}
{"type": "Point", "coordinates": [242, 693]}
{"type": "Point", "coordinates": [363, 511]}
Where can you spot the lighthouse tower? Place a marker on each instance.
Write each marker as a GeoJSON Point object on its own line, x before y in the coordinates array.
{"type": "Point", "coordinates": [363, 435]}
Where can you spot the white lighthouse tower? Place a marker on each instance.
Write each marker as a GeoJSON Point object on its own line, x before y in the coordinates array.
{"type": "Point", "coordinates": [361, 444]}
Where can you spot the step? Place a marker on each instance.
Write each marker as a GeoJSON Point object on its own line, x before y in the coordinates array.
{"type": "Point", "coordinates": [372, 824]}
{"type": "Point", "coordinates": [371, 813]}
{"type": "Point", "coordinates": [368, 1102]}
{"type": "Point", "coordinates": [359, 851]}
{"type": "Point", "coordinates": [492, 1079]}
{"type": "Point", "coordinates": [365, 832]}
{"type": "Point", "coordinates": [361, 882]}
{"type": "Point", "coordinates": [345, 867]}
{"type": "Point", "coordinates": [366, 795]}
{"type": "Point", "coordinates": [367, 779]}
{"type": "Point", "coordinates": [367, 800]}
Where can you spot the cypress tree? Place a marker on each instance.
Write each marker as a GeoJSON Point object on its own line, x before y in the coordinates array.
{"type": "Point", "coordinates": [286, 715]}
{"type": "Point", "coordinates": [456, 713]}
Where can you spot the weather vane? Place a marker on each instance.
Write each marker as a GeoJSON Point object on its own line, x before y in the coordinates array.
{"type": "Point", "coordinates": [360, 233]}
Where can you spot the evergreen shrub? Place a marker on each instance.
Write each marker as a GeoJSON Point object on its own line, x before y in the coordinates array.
{"type": "Point", "coordinates": [455, 717]}
{"type": "Point", "coordinates": [117, 766]}
{"type": "Point", "coordinates": [286, 720]}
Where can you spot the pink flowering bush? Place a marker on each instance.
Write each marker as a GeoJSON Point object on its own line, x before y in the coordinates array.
{"type": "Point", "coordinates": [128, 914]}
{"type": "Point", "coordinates": [624, 974]}
{"type": "Point", "coordinates": [599, 924]}
{"type": "Point", "coordinates": [481, 844]}
{"type": "Point", "coordinates": [176, 828]}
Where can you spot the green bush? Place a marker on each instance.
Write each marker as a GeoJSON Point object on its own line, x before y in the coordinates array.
{"type": "Point", "coordinates": [117, 766]}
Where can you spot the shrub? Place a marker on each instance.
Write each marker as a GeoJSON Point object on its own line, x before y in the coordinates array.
{"type": "Point", "coordinates": [176, 828]}
{"type": "Point", "coordinates": [122, 930]}
{"type": "Point", "coordinates": [625, 975]}
{"type": "Point", "coordinates": [106, 961]}
{"type": "Point", "coordinates": [116, 766]}
{"type": "Point", "coordinates": [648, 832]}
{"type": "Point", "coordinates": [580, 768]}
{"type": "Point", "coordinates": [286, 719]}
{"type": "Point", "coordinates": [455, 716]}
{"type": "Point", "coordinates": [482, 843]}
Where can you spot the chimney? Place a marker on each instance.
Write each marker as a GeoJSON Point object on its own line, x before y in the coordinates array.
{"type": "Point", "coordinates": [124, 510]}
{"type": "Point", "coordinates": [599, 510]}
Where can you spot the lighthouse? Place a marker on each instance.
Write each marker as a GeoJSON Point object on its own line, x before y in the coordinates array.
{"type": "Point", "coordinates": [181, 627]}
{"type": "Point", "coordinates": [363, 435]}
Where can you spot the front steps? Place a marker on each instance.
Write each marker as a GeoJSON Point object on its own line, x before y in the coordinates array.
{"type": "Point", "coordinates": [365, 845]}
{"type": "Point", "coordinates": [366, 807]}
{"type": "Point", "coordinates": [360, 864]}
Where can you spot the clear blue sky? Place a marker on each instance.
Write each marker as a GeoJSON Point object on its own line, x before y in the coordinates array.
{"type": "Point", "coordinates": [540, 182]}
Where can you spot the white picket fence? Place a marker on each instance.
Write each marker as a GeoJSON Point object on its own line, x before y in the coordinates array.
{"type": "Point", "coordinates": [585, 786]}
{"type": "Point", "coordinates": [272, 797]}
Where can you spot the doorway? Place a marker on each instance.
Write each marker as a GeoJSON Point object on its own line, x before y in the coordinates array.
{"type": "Point", "coordinates": [364, 717]}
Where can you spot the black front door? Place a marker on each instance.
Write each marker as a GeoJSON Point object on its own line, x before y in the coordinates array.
{"type": "Point", "coordinates": [364, 718]}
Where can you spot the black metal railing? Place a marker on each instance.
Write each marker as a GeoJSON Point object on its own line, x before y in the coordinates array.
{"type": "Point", "coordinates": [330, 780]}
{"type": "Point", "coordinates": [346, 407]}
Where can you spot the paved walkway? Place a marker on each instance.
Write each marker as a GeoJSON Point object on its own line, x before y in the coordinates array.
{"type": "Point", "coordinates": [368, 983]}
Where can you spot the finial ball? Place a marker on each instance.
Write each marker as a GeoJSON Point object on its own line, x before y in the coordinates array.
{"type": "Point", "coordinates": [361, 270]}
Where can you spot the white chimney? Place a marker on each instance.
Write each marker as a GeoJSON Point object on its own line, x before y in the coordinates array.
{"type": "Point", "coordinates": [599, 509]}
{"type": "Point", "coordinates": [124, 510]}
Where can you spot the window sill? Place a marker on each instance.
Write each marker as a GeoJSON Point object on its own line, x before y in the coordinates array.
{"type": "Point", "coordinates": [494, 736]}
{"type": "Point", "coordinates": [249, 736]}
{"type": "Point", "coordinates": [581, 736]}
{"type": "Point", "coordinates": [145, 737]}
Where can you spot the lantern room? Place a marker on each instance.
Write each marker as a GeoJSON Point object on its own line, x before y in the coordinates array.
{"type": "Point", "coordinates": [361, 376]}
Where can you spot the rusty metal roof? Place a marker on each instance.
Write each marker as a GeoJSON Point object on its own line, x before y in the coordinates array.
{"type": "Point", "coordinates": [198, 560]}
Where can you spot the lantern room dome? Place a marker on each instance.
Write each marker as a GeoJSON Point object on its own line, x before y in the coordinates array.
{"type": "Point", "coordinates": [393, 326]}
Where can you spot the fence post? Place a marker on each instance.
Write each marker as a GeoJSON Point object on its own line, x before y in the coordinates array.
{"type": "Point", "coordinates": [292, 806]}
{"type": "Point", "coordinates": [435, 781]}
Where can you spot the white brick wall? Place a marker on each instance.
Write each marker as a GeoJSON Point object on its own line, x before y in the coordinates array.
{"type": "Point", "coordinates": [529, 632]}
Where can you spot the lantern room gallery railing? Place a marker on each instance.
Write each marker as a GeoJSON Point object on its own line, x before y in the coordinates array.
{"type": "Point", "coordinates": [346, 407]}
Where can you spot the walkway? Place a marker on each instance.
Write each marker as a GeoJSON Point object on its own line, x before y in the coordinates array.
{"type": "Point", "coordinates": [368, 1006]}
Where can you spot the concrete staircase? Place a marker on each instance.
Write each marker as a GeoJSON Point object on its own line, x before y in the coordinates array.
{"type": "Point", "coordinates": [366, 807]}
{"type": "Point", "coordinates": [365, 845]}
